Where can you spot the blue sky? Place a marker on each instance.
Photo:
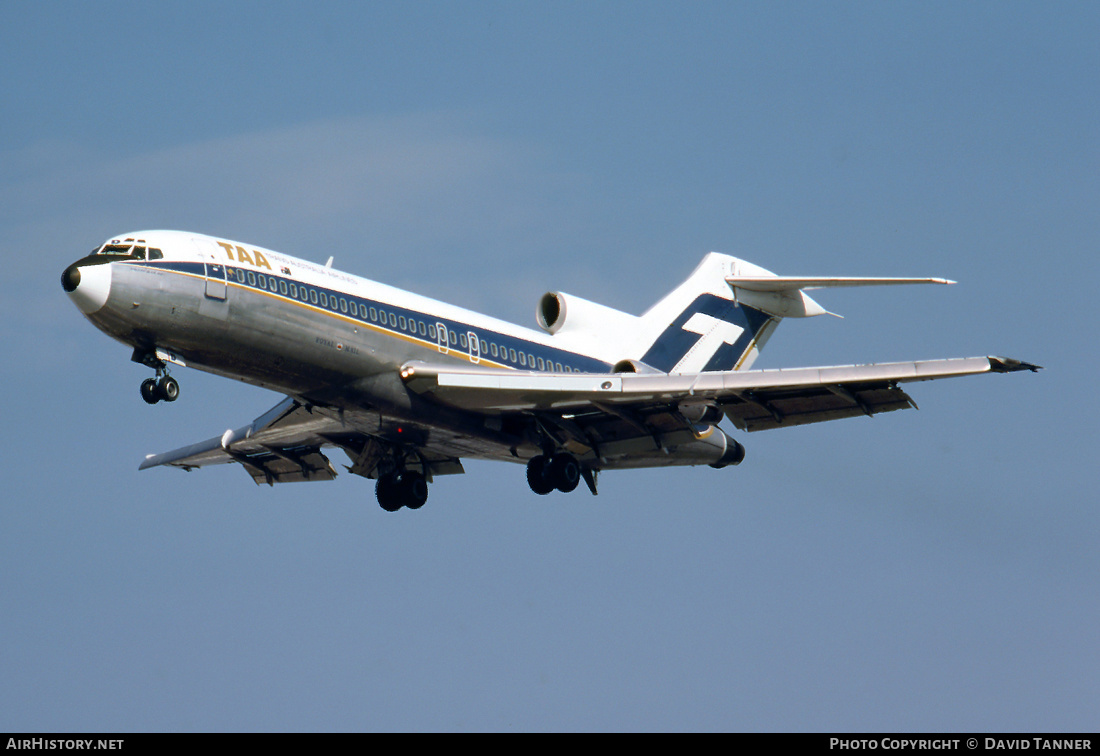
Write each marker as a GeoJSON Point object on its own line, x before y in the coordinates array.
{"type": "Point", "coordinates": [932, 570]}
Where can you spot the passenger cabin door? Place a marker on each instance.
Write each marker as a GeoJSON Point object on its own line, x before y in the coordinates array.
{"type": "Point", "coordinates": [211, 254]}
{"type": "Point", "coordinates": [215, 280]}
{"type": "Point", "coordinates": [441, 336]}
{"type": "Point", "coordinates": [475, 347]}
{"type": "Point", "coordinates": [213, 303]}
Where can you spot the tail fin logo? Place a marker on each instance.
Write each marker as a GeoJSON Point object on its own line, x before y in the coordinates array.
{"type": "Point", "coordinates": [713, 333]}
{"type": "Point", "coordinates": [710, 333]}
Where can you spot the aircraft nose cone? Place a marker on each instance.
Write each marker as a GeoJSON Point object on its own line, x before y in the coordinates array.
{"type": "Point", "coordinates": [70, 279]}
{"type": "Point", "coordinates": [88, 285]}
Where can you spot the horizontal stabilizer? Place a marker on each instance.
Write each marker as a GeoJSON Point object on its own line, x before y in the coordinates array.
{"type": "Point", "coordinates": [792, 283]}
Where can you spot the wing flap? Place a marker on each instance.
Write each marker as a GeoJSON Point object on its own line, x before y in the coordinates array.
{"type": "Point", "coordinates": [764, 410]}
{"type": "Point", "coordinates": [280, 446]}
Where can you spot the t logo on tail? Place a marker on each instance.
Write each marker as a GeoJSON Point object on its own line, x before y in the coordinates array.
{"type": "Point", "coordinates": [713, 333]}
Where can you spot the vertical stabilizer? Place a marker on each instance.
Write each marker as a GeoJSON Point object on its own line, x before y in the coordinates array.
{"type": "Point", "coordinates": [700, 326]}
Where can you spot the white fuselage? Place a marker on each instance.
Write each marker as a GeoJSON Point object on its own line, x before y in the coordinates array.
{"type": "Point", "coordinates": [337, 341]}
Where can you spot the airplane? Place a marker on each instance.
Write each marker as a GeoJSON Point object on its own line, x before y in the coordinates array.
{"type": "Point", "coordinates": [408, 386]}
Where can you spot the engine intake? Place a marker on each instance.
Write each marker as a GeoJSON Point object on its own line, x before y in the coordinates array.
{"type": "Point", "coordinates": [634, 366]}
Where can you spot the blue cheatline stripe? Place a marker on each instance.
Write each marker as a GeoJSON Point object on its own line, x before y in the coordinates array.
{"type": "Point", "coordinates": [387, 318]}
{"type": "Point", "coordinates": [675, 342]}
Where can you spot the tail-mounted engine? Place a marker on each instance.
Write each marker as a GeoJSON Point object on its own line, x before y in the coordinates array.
{"type": "Point", "coordinates": [558, 312]}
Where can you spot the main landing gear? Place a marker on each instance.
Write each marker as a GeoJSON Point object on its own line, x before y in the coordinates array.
{"type": "Point", "coordinates": [548, 472]}
{"type": "Point", "coordinates": [154, 389]}
{"type": "Point", "coordinates": [401, 488]}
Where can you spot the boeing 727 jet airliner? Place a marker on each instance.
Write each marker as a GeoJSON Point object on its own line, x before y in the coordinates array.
{"type": "Point", "coordinates": [408, 386]}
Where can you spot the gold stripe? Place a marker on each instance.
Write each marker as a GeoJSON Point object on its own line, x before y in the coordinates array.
{"type": "Point", "coordinates": [229, 282]}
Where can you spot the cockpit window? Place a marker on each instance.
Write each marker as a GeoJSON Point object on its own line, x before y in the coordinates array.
{"type": "Point", "coordinates": [115, 249]}
{"type": "Point", "coordinates": [135, 249]}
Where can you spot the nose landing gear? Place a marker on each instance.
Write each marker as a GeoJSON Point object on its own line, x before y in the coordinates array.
{"type": "Point", "coordinates": [165, 387]}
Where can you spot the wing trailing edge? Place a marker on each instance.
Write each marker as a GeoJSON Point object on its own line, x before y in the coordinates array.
{"type": "Point", "coordinates": [752, 399]}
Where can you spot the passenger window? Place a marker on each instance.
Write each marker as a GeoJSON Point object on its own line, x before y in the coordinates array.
{"type": "Point", "coordinates": [454, 338]}
{"type": "Point", "coordinates": [274, 283]}
{"type": "Point", "coordinates": [343, 305]}
{"type": "Point", "coordinates": [282, 287]}
{"type": "Point", "coordinates": [431, 332]}
{"type": "Point", "coordinates": [512, 355]}
{"type": "Point", "coordinates": [557, 366]}
{"type": "Point", "coordinates": [462, 340]}
{"type": "Point", "coordinates": [251, 278]}
{"type": "Point", "coordinates": [263, 281]}
{"type": "Point", "coordinates": [393, 320]}
{"type": "Point", "coordinates": [294, 290]}
{"type": "Point", "coordinates": [484, 346]}
{"type": "Point", "coordinates": [423, 330]}
{"type": "Point", "coordinates": [313, 296]}
{"type": "Point", "coordinates": [523, 359]}
{"type": "Point", "coordinates": [542, 365]}
{"type": "Point", "coordinates": [363, 311]}
{"type": "Point", "coordinates": [401, 322]}
{"type": "Point", "coordinates": [240, 276]}
{"type": "Point", "coordinates": [493, 348]}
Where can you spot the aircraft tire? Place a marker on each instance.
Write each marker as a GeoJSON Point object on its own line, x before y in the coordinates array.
{"type": "Point", "coordinates": [149, 391]}
{"type": "Point", "coordinates": [387, 492]}
{"type": "Point", "coordinates": [537, 478]}
{"type": "Point", "coordinates": [168, 388]}
{"type": "Point", "coordinates": [564, 472]}
{"type": "Point", "coordinates": [413, 489]}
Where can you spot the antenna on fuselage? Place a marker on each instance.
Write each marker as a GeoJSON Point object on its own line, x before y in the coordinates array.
{"type": "Point", "coordinates": [329, 263]}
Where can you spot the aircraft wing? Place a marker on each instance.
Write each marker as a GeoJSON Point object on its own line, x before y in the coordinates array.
{"type": "Point", "coordinates": [753, 399]}
{"type": "Point", "coordinates": [284, 444]}
{"type": "Point", "coordinates": [281, 445]}
{"type": "Point", "coordinates": [624, 419]}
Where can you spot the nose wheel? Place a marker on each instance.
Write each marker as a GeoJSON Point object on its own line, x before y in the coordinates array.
{"type": "Point", "coordinates": [154, 390]}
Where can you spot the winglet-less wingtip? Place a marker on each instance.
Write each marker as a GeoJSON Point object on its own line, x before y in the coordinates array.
{"type": "Point", "coordinates": [1009, 365]}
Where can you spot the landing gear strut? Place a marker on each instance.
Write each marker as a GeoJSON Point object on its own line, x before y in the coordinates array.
{"type": "Point", "coordinates": [547, 472]}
